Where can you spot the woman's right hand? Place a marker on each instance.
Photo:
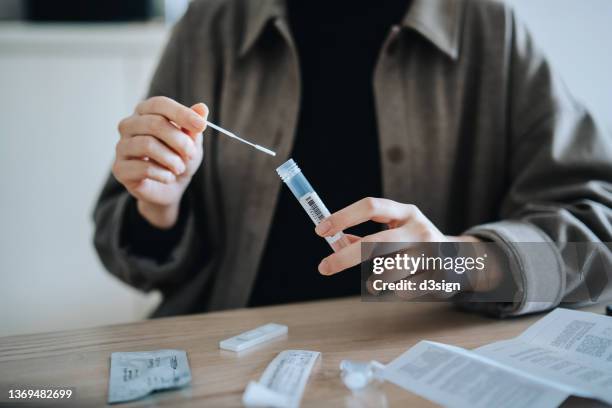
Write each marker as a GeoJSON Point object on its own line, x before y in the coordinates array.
{"type": "Point", "coordinates": [159, 151]}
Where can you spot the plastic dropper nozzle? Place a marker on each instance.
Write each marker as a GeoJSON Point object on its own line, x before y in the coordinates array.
{"type": "Point", "coordinates": [230, 134]}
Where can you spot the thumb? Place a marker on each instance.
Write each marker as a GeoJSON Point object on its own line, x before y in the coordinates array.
{"type": "Point", "coordinates": [201, 109]}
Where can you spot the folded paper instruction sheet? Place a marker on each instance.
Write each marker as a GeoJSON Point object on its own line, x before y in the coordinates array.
{"type": "Point", "coordinates": [565, 353]}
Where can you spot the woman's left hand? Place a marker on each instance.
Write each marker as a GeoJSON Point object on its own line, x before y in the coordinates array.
{"type": "Point", "coordinates": [405, 222]}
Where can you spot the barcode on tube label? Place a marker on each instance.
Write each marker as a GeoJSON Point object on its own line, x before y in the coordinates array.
{"type": "Point", "coordinates": [317, 211]}
{"type": "Point", "coordinates": [314, 207]}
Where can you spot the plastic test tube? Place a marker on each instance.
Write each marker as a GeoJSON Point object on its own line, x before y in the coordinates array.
{"type": "Point", "coordinates": [291, 174]}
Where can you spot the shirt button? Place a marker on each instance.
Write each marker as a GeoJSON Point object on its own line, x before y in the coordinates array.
{"type": "Point", "coordinates": [395, 154]}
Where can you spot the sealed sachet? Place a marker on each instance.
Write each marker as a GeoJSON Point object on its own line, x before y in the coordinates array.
{"type": "Point", "coordinates": [134, 375]}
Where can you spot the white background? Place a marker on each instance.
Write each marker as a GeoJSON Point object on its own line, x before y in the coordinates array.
{"type": "Point", "coordinates": [62, 91]}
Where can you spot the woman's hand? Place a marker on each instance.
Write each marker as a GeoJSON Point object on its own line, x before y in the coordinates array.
{"type": "Point", "coordinates": [405, 222]}
{"type": "Point", "coordinates": [159, 151]}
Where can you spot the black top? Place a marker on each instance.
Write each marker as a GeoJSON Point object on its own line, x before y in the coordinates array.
{"type": "Point", "coordinates": [336, 147]}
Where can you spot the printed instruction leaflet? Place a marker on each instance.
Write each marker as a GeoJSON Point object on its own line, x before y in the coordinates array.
{"type": "Point", "coordinates": [565, 353]}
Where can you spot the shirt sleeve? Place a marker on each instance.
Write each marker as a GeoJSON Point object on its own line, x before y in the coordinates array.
{"type": "Point", "coordinates": [135, 252]}
{"type": "Point", "coordinates": [560, 191]}
{"type": "Point", "coordinates": [142, 239]}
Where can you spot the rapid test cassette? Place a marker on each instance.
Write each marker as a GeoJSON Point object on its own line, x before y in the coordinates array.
{"type": "Point", "coordinates": [254, 337]}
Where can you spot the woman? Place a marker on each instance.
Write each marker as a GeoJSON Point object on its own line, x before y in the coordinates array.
{"type": "Point", "coordinates": [443, 107]}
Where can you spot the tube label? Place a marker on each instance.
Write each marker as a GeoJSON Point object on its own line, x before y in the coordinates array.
{"type": "Point", "coordinates": [317, 211]}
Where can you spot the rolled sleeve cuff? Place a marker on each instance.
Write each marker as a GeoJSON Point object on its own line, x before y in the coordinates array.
{"type": "Point", "coordinates": [536, 269]}
{"type": "Point", "coordinates": [144, 272]}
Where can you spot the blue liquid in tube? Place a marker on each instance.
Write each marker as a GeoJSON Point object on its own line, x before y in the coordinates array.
{"type": "Point", "coordinates": [292, 176]}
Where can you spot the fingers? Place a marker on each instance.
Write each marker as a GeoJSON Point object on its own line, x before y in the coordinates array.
{"type": "Point", "coordinates": [149, 146]}
{"type": "Point", "coordinates": [129, 171]}
{"type": "Point", "coordinates": [374, 209]}
{"type": "Point", "coordinates": [350, 255]}
{"type": "Point", "coordinates": [352, 238]}
{"type": "Point", "coordinates": [159, 151]}
{"type": "Point", "coordinates": [407, 225]}
{"type": "Point", "coordinates": [183, 116]}
{"type": "Point", "coordinates": [158, 126]}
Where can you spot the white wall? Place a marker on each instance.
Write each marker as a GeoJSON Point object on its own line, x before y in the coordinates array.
{"type": "Point", "coordinates": [576, 35]}
{"type": "Point", "coordinates": [62, 91]}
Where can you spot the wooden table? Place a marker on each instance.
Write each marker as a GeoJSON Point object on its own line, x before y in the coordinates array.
{"type": "Point", "coordinates": [339, 329]}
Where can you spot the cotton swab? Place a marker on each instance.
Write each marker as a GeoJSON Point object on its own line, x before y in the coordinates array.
{"type": "Point", "coordinates": [230, 134]}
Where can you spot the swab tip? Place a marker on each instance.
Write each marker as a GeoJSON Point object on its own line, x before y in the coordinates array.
{"type": "Point", "coordinates": [263, 149]}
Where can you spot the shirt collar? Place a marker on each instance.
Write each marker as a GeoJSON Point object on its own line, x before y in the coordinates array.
{"type": "Point", "coordinates": [258, 13]}
{"type": "Point", "coordinates": [439, 21]}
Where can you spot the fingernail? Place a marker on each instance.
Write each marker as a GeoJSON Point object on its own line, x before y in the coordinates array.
{"type": "Point", "coordinates": [323, 227]}
{"type": "Point", "coordinates": [197, 121]}
{"type": "Point", "coordinates": [180, 168]}
{"type": "Point", "coordinates": [323, 268]}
